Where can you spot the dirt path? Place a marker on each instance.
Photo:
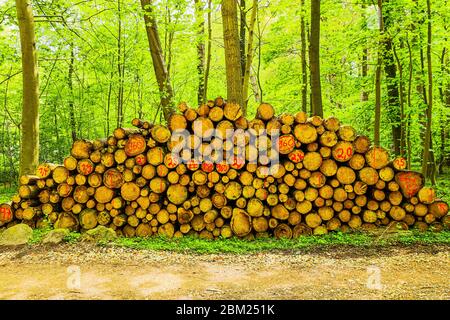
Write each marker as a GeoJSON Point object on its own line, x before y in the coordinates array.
{"type": "Point", "coordinates": [119, 273]}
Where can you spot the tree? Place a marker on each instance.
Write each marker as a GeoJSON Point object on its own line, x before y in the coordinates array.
{"type": "Point", "coordinates": [376, 129]}
{"type": "Point", "coordinates": [200, 26]}
{"type": "Point", "coordinates": [232, 53]}
{"type": "Point", "coordinates": [249, 59]}
{"type": "Point", "coordinates": [162, 76]}
{"type": "Point", "coordinates": [29, 150]}
{"type": "Point", "coordinates": [208, 52]}
{"type": "Point", "coordinates": [427, 161]}
{"type": "Point", "coordinates": [314, 59]}
{"type": "Point", "coordinates": [391, 80]}
{"type": "Point", "coordinates": [303, 56]}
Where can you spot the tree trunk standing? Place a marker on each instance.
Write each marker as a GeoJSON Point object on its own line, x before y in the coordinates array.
{"type": "Point", "coordinates": [232, 54]}
{"type": "Point", "coordinates": [242, 25]}
{"type": "Point", "coordinates": [303, 56]}
{"type": "Point", "coordinates": [249, 59]}
{"type": "Point", "coordinates": [73, 125]}
{"type": "Point", "coordinates": [314, 59]}
{"type": "Point", "coordinates": [162, 76]}
{"type": "Point", "coordinates": [401, 104]}
{"type": "Point", "coordinates": [200, 25]}
{"type": "Point", "coordinates": [408, 118]}
{"type": "Point", "coordinates": [208, 52]}
{"type": "Point", "coordinates": [376, 138]}
{"type": "Point", "coordinates": [428, 169]}
{"type": "Point", "coordinates": [391, 82]}
{"type": "Point", "coordinates": [120, 67]}
{"type": "Point", "coordinates": [29, 149]}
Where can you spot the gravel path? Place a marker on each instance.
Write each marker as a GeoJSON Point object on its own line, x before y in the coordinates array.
{"type": "Point", "coordinates": [40, 272]}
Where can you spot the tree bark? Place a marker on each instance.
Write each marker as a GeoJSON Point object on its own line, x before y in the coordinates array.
{"type": "Point", "coordinates": [376, 138]}
{"type": "Point", "coordinates": [242, 25]}
{"type": "Point", "coordinates": [208, 52]}
{"type": "Point", "coordinates": [232, 54]}
{"type": "Point", "coordinates": [29, 150]}
{"type": "Point", "coordinates": [200, 25]}
{"type": "Point", "coordinates": [73, 126]}
{"type": "Point", "coordinates": [428, 156]}
{"type": "Point", "coordinates": [162, 76]}
{"type": "Point", "coordinates": [120, 66]}
{"type": "Point", "coordinates": [249, 59]}
{"type": "Point", "coordinates": [391, 84]}
{"type": "Point", "coordinates": [401, 104]}
{"type": "Point", "coordinates": [314, 58]}
{"type": "Point", "coordinates": [303, 56]}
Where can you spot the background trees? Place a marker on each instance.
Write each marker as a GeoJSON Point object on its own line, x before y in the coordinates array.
{"type": "Point", "coordinates": [95, 69]}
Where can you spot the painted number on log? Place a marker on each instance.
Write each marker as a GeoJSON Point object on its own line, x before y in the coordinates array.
{"type": "Point", "coordinates": [192, 165]}
{"type": "Point", "coordinates": [43, 171]}
{"type": "Point", "coordinates": [400, 163]}
{"type": "Point", "coordinates": [207, 166]}
{"type": "Point", "coordinates": [286, 144]}
{"type": "Point", "coordinates": [344, 153]}
{"type": "Point", "coordinates": [5, 214]}
{"type": "Point", "coordinates": [296, 156]}
{"type": "Point", "coordinates": [222, 167]}
{"type": "Point", "coordinates": [86, 168]}
{"type": "Point", "coordinates": [410, 183]}
{"type": "Point", "coordinates": [170, 161]}
{"type": "Point", "coordinates": [238, 163]}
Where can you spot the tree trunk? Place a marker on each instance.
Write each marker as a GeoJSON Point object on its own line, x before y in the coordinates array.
{"type": "Point", "coordinates": [232, 54]}
{"type": "Point", "coordinates": [391, 84]}
{"type": "Point", "coordinates": [401, 105]}
{"type": "Point", "coordinates": [444, 93]}
{"type": "Point", "coordinates": [428, 169]}
{"type": "Point", "coordinates": [162, 76]}
{"type": "Point", "coordinates": [119, 66]}
{"type": "Point", "coordinates": [408, 121]}
{"type": "Point", "coordinates": [208, 53]}
{"type": "Point", "coordinates": [200, 25]}
{"type": "Point", "coordinates": [73, 126]}
{"type": "Point", "coordinates": [376, 138]}
{"type": "Point", "coordinates": [303, 56]}
{"type": "Point", "coordinates": [249, 59]}
{"type": "Point", "coordinates": [29, 151]}
{"type": "Point", "coordinates": [314, 59]}
{"type": "Point", "coordinates": [242, 25]}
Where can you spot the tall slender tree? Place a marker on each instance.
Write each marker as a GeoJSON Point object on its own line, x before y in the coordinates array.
{"type": "Point", "coordinates": [208, 51]}
{"type": "Point", "coordinates": [376, 134]}
{"type": "Point", "coordinates": [200, 26]}
{"type": "Point", "coordinates": [314, 58]}
{"type": "Point", "coordinates": [29, 149]}
{"type": "Point", "coordinates": [162, 76]}
{"type": "Point", "coordinates": [303, 56]}
{"type": "Point", "coordinates": [249, 59]}
{"type": "Point", "coordinates": [392, 85]}
{"type": "Point", "coordinates": [428, 169]}
{"type": "Point", "coordinates": [232, 53]}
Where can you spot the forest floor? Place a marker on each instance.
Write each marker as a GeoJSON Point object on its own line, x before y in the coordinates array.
{"type": "Point", "coordinates": [322, 272]}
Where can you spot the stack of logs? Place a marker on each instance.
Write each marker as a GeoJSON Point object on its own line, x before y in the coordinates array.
{"type": "Point", "coordinates": [329, 178]}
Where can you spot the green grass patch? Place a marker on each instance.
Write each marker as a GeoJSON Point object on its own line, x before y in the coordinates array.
{"type": "Point", "coordinates": [239, 246]}
{"type": "Point", "coordinates": [6, 193]}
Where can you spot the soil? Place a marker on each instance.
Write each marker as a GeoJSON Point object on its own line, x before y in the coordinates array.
{"type": "Point", "coordinates": [43, 272]}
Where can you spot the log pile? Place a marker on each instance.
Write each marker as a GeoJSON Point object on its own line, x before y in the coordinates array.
{"type": "Point", "coordinates": [328, 178]}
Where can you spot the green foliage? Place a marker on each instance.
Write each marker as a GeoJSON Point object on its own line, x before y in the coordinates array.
{"type": "Point", "coordinates": [90, 30]}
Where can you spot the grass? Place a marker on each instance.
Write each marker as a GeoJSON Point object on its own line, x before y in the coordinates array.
{"type": "Point", "coordinates": [239, 246]}
{"type": "Point", "coordinates": [6, 193]}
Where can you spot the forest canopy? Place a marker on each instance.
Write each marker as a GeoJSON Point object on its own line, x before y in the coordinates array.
{"type": "Point", "coordinates": [98, 68]}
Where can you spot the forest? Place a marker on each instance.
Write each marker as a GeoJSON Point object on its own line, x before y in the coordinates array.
{"type": "Point", "coordinates": [79, 69]}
